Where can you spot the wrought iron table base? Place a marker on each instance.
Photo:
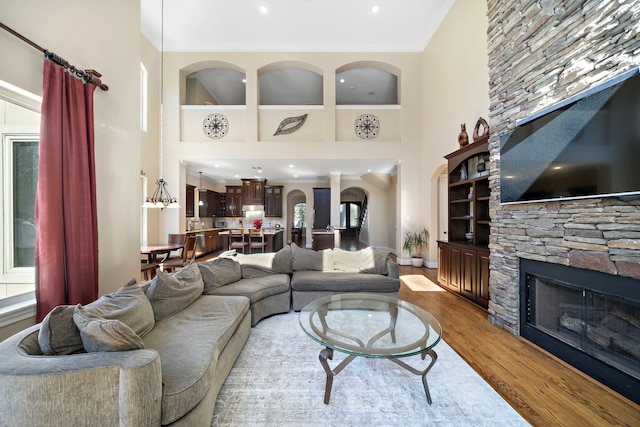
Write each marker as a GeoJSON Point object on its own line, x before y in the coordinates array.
{"type": "Point", "coordinates": [327, 354]}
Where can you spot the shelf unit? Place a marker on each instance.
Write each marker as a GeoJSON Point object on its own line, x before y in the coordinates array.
{"type": "Point", "coordinates": [463, 265]}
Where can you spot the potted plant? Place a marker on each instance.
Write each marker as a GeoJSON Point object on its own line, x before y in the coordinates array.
{"type": "Point", "coordinates": [413, 243]}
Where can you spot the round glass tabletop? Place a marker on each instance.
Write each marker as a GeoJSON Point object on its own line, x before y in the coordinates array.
{"type": "Point", "coordinates": [370, 325]}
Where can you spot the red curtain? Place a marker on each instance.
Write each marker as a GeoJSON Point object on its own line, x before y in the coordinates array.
{"type": "Point", "coordinates": [66, 261]}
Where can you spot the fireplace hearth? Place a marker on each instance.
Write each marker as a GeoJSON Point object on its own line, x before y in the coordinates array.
{"type": "Point", "coordinates": [588, 318]}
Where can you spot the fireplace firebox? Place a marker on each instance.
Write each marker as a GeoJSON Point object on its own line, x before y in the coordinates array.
{"type": "Point", "coordinates": [588, 318]}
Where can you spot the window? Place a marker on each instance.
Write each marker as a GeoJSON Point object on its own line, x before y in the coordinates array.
{"type": "Point", "coordinates": [299, 215]}
{"type": "Point", "coordinates": [19, 139]}
{"type": "Point", "coordinates": [144, 84]}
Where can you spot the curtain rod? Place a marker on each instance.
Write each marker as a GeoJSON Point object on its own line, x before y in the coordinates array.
{"type": "Point", "coordinates": [87, 76]}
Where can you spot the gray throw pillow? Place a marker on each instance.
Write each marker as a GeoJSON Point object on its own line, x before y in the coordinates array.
{"type": "Point", "coordinates": [99, 334]}
{"type": "Point", "coordinates": [283, 261]}
{"type": "Point", "coordinates": [219, 272]}
{"type": "Point", "coordinates": [374, 261]}
{"type": "Point", "coordinates": [129, 304]}
{"type": "Point", "coordinates": [259, 265]}
{"type": "Point", "coordinates": [347, 260]}
{"type": "Point", "coordinates": [58, 333]}
{"type": "Point", "coordinates": [170, 293]}
{"type": "Point", "coordinates": [308, 259]}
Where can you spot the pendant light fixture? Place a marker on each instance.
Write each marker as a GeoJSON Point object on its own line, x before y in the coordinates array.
{"type": "Point", "coordinates": [201, 202]}
{"type": "Point", "coordinates": [161, 198]}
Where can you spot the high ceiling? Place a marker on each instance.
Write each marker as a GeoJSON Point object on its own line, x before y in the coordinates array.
{"type": "Point", "coordinates": [292, 25]}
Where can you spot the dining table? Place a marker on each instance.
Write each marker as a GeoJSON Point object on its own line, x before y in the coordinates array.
{"type": "Point", "coordinates": [153, 250]}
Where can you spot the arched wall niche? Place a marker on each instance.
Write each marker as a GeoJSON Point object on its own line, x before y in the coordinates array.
{"type": "Point", "coordinates": [213, 83]}
{"type": "Point", "coordinates": [368, 82]}
{"type": "Point", "coordinates": [290, 83]}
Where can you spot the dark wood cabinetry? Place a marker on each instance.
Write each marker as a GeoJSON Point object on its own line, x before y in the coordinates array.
{"type": "Point", "coordinates": [210, 206]}
{"type": "Point", "coordinates": [273, 200]}
{"type": "Point", "coordinates": [234, 201]}
{"type": "Point", "coordinates": [213, 242]}
{"type": "Point", "coordinates": [253, 191]}
{"type": "Point", "coordinates": [321, 208]}
{"type": "Point", "coordinates": [190, 200]}
{"type": "Point", "coordinates": [463, 260]}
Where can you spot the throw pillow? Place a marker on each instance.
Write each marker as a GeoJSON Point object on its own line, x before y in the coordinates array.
{"type": "Point", "coordinates": [347, 260]}
{"type": "Point", "coordinates": [99, 334]}
{"type": "Point", "coordinates": [219, 272]}
{"type": "Point", "coordinates": [283, 261]}
{"type": "Point", "coordinates": [128, 304]}
{"type": "Point", "coordinates": [374, 261]}
{"type": "Point", "coordinates": [308, 259]}
{"type": "Point", "coordinates": [58, 333]}
{"type": "Point", "coordinates": [259, 265]}
{"type": "Point", "coordinates": [170, 293]}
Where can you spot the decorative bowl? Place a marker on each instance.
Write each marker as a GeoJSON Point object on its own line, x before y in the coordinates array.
{"type": "Point", "coordinates": [469, 236]}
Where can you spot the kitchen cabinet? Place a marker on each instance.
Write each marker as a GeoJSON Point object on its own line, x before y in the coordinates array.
{"type": "Point", "coordinates": [253, 191]}
{"type": "Point", "coordinates": [273, 200]}
{"type": "Point", "coordinates": [211, 204]}
{"type": "Point", "coordinates": [463, 260]}
{"type": "Point", "coordinates": [190, 201]}
{"type": "Point", "coordinates": [234, 201]}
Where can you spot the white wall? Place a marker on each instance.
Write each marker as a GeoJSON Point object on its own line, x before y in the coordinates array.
{"type": "Point", "coordinates": [98, 36]}
{"type": "Point", "coordinates": [456, 90]}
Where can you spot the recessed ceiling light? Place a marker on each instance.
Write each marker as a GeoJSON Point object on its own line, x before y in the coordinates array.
{"type": "Point", "coordinates": [341, 80]}
{"type": "Point", "coordinates": [244, 80]}
{"type": "Point", "coordinates": [375, 9]}
{"type": "Point", "coordinates": [291, 166]}
{"type": "Point", "coordinates": [295, 176]}
{"type": "Point", "coordinates": [368, 170]}
{"type": "Point", "coordinates": [264, 10]}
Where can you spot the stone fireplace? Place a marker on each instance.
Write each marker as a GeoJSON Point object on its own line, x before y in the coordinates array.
{"type": "Point", "coordinates": [587, 318]}
{"type": "Point", "coordinates": [540, 53]}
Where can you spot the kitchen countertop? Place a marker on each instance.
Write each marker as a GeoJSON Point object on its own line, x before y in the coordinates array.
{"type": "Point", "coordinates": [266, 230]}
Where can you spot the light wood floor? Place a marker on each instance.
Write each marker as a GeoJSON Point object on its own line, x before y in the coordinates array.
{"type": "Point", "coordinates": [542, 388]}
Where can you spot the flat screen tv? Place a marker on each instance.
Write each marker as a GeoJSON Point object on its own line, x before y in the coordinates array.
{"type": "Point", "coordinates": [586, 146]}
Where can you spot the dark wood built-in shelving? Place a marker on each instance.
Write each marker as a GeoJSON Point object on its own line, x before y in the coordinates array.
{"type": "Point", "coordinates": [463, 263]}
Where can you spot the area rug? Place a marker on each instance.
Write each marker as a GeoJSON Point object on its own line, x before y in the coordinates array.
{"type": "Point", "coordinates": [278, 381]}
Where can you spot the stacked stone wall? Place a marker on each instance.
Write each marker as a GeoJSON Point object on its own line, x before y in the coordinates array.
{"type": "Point", "coordinates": [540, 53]}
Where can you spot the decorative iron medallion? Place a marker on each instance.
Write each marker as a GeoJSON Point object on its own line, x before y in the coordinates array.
{"type": "Point", "coordinates": [367, 126]}
{"type": "Point", "coordinates": [215, 126]}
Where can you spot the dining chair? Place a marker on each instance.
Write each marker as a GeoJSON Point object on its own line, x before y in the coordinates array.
{"type": "Point", "coordinates": [188, 255]}
{"type": "Point", "coordinates": [173, 239]}
{"type": "Point", "coordinates": [148, 270]}
{"type": "Point", "coordinates": [256, 239]}
{"type": "Point", "coordinates": [237, 239]}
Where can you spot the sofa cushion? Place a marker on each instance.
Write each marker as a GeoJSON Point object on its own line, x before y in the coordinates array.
{"type": "Point", "coordinates": [189, 343]}
{"type": "Point", "coordinates": [374, 261]}
{"type": "Point", "coordinates": [256, 288]}
{"type": "Point", "coordinates": [338, 281]}
{"type": "Point", "coordinates": [346, 260]}
{"type": "Point", "coordinates": [170, 293]}
{"type": "Point", "coordinates": [59, 334]}
{"type": "Point", "coordinates": [258, 265]}
{"type": "Point", "coordinates": [308, 259]}
{"type": "Point", "coordinates": [100, 334]}
{"type": "Point", "coordinates": [219, 272]}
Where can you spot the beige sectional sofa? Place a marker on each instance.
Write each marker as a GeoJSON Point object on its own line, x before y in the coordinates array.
{"type": "Point", "coordinates": [157, 353]}
{"type": "Point", "coordinates": [327, 272]}
{"type": "Point", "coordinates": [147, 355]}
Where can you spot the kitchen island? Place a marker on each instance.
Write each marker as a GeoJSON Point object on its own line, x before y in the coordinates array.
{"type": "Point", "coordinates": [274, 238]}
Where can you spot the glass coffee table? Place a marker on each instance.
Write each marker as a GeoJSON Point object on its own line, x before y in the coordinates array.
{"type": "Point", "coordinates": [370, 325]}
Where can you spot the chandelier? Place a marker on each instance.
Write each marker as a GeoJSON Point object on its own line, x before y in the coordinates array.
{"type": "Point", "coordinates": [161, 197]}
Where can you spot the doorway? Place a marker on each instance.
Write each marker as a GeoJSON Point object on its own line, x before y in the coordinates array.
{"type": "Point", "coordinates": [350, 218]}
